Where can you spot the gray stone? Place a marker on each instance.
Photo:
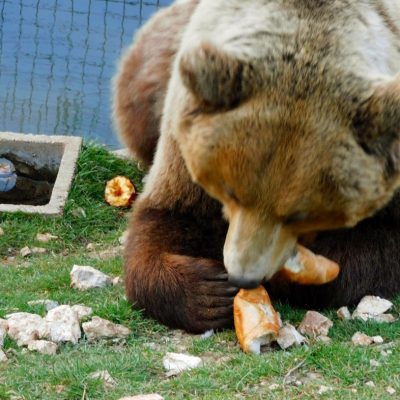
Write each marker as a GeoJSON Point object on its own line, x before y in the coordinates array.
{"type": "Point", "coordinates": [63, 325]}
{"type": "Point", "coordinates": [372, 307]}
{"type": "Point", "coordinates": [39, 250]}
{"type": "Point", "coordinates": [122, 239]}
{"type": "Point", "coordinates": [391, 390]}
{"type": "Point", "coordinates": [175, 363]}
{"type": "Point", "coordinates": [3, 357]}
{"type": "Point", "coordinates": [42, 346]}
{"type": "Point", "coordinates": [24, 327]}
{"type": "Point", "coordinates": [361, 339]}
{"type": "Point", "coordinates": [99, 328]}
{"type": "Point", "coordinates": [85, 277]}
{"type": "Point", "coordinates": [48, 304]}
{"type": "Point", "coordinates": [25, 251]}
{"type": "Point", "coordinates": [104, 376]}
{"type": "Point", "coordinates": [343, 313]}
{"type": "Point", "coordinates": [315, 324]}
{"type": "Point", "coordinates": [45, 237]}
{"type": "Point", "coordinates": [3, 331]}
{"type": "Point", "coordinates": [288, 337]}
{"type": "Point", "coordinates": [82, 311]}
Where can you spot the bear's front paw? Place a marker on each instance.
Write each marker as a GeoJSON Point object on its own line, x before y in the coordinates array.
{"type": "Point", "coordinates": [207, 297]}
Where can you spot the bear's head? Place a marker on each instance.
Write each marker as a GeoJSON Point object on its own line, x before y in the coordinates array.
{"type": "Point", "coordinates": [289, 146]}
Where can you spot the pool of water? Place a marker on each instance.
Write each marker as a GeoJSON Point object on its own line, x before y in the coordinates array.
{"type": "Point", "coordinates": [57, 58]}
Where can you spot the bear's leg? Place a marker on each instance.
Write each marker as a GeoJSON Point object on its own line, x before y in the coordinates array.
{"type": "Point", "coordinates": [369, 257]}
{"type": "Point", "coordinates": [174, 270]}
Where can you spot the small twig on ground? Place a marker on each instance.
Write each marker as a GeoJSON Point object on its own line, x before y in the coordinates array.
{"type": "Point", "coordinates": [84, 393]}
{"type": "Point", "coordinates": [292, 370]}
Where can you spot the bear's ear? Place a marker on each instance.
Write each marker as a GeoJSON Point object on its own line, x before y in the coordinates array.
{"type": "Point", "coordinates": [216, 79]}
{"type": "Point", "coordinates": [377, 124]}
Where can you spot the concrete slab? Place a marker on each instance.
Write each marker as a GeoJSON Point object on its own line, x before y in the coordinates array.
{"type": "Point", "coordinates": [56, 153]}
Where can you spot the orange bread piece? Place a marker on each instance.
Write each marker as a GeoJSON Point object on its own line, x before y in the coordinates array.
{"type": "Point", "coordinates": [256, 321]}
{"type": "Point", "coordinates": [307, 268]}
{"type": "Point", "coordinates": [120, 192]}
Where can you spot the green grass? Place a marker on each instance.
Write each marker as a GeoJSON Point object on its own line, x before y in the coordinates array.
{"type": "Point", "coordinates": [136, 364]}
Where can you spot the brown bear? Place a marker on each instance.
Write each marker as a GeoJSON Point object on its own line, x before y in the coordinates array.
{"type": "Point", "coordinates": [264, 123]}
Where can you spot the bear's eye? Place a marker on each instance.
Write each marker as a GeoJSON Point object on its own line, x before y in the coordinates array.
{"type": "Point", "coordinates": [296, 217]}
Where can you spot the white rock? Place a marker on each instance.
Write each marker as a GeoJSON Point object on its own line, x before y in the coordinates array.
{"type": "Point", "coordinates": [324, 389]}
{"type": "Point", "coordinates": [274, 386]}
{"type": "Point", "coordinates": [343, 313]}
{"type": "Point", "coordinates": [122, 240]}
{"type": "Point", "coordinates": [63, 325]}
{"type": "Point", "coordinates": [384, 318]}
{"type": "Point", "coordinates": [39, 250]}
{"type": "Point", "coordinates": [110, 253]}
{"type": "Point", "coordinates": [370, 384]}
{"type": "Point", "coordinates": [288, 337]}
{"type": "Point", "coordinates": [24, 327]}
{"type": "Point", "coordinates": [361, 339]}
{"type": "Point", "coordinates": [42, 346]}
{"type": "Point", "coordinates": [48, 304]}
{"type": "Point", "coordinates": [153, 396]}
{"type": "Point", "coordinates": [45, 237]}
{"type": "Point", "coordinates": [175, 363]}
{"type": "Point", "coordinates": [386, 353]}
{"type": "Point", "coordinates": [105, 377]}
{"type": "Point", "coordinates": [207, 334]}
{"type": "Point", "coordinates": [82, 311]}
{"type": "Point", "coordinates": [315, 324]}
{"type": "Point", "coordinates": [85, 277]}
{"type": "Point", "coordinates": [377, 339]}
{"type": "Point", "coordinates": [3, 331]}
{"type": "Point", "coordinates": [324, 339]}
{"type": "Point", "coordinates": [90, 247]}
{"type": "Point", "coordinates": [390, 390]}
{"type": "Point", "coordinates": [117, 281]}
{"type": "Point", "coordinates": [25, 251]}
{"type": "Point", "coordinates": [99, 328]}
{"type": "Point", "coordinates": [3, 357]}
{"type": "Point", "coordinates": [374, 363]}
{"type": "Point", "coordinates": [371, 307]}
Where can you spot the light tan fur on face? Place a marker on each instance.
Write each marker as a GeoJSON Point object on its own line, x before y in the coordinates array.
{"type": "Point", "coordinates": [255, 247]}
{"type": "Point", "coordinates": [287, 112]}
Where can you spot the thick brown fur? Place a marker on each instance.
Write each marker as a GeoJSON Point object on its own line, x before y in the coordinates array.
{"type": "Point", "coordinates": [173, 260]}
{"type": "Point", "coordinates": [143, 77]}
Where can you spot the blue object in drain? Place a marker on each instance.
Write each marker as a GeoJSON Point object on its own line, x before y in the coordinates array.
{"type": "Point", "coordinates": [8, 176]}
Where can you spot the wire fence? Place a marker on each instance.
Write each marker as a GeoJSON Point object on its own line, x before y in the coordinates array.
{"type": "Point", "coordinates": [57, 58]}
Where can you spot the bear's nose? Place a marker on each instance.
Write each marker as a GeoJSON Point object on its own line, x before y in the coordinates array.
{"type": "Point", "coordinates": [243, 283]}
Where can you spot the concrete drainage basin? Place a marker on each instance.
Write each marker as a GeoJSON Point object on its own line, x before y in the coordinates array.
{"type": "Point", "coordinates": [36, 172]}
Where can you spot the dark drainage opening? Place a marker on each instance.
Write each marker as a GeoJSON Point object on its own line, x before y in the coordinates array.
{"type": "Point", "coordinates": [33, 185]}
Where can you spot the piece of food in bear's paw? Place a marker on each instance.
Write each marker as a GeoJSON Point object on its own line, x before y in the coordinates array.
{"type": "Point", "coordinates": [307, 268]}
{"type": "Point", "coordinates": [256, 321]}
{"type": "Point", "coordinates": [120, 192]}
